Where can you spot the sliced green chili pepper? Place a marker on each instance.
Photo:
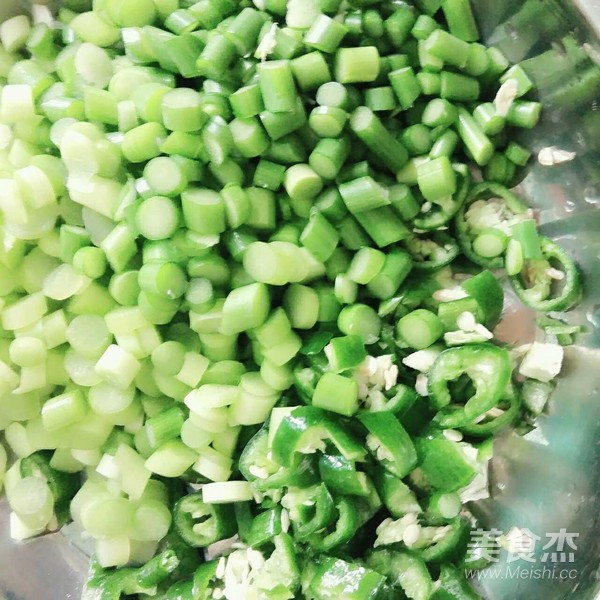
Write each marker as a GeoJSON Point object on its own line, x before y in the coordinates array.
{"type": "Point", "coordinates": [201, 524]}
{"type": "Point", "coordinates": [306, 430]}
{"type": "Point", "coordinates": [419, 288]}
{"type": "Point", "coordinates": [112, 585]}
{"type": "Point", "coordinates": [489, 370]}
{"type": "Point", "coordinates": [441, 213]}
{"type": "Point", "coordinates": [525, 233]}
{"type": "Point", "coordinates": [337, 579]}
{"type": "Point", "coordinates": [310, 510]}
{"type": "Point", "coordinates": [389, 443]}
{"type": "Point", "coordinates": [405, 570]}
{"type": "Point", "coordinates": [448, 312]}
{"type": "Point", "coordinates": [243, 519]}
{"type": "Point", "coordinates": [432, 251]}
{"type": "Point", "coordinates": [158, 569]}
{"type": "Point", "coordinates": [305, 382]}
{"type": "Point", "coordinates": [403, 398]}
{"type": "Point", "coordinates": [562, 331]}
{"type": "Point", "coordinates": [417, 416]}
{"type": "Point", "coordinates": [316, 343]}
{"type": "Point", "coordinates": [341, 477]}
{"type": "Point", "coordinates": [488, 293]}
{"type": "Point", "coordinates": [255, 456]}
{"type": "Point", "coordinates": [265, 526]}
{"type": "Point", "coordinates": [495, 423]}
{"type": "Point", "coordinates": [450, 546]}
{"type": "Point", "coordinates": [280, 575]}
{"type": "Point", "coordinates": [302, 473]}
{"type": "Point", "coordinates": [369, 505]}
{"type": "Point", "coordinates": [500, 214]}
{"type": "Point", "coordinates": [396, 496]}
{"type": "Point", "coordinates": [181, 590]}
{"type": "Point", "coordinates": [187, 555]}
{"type": "Point", "coordinates": [204, 579]}
{"type": "Point", "coordinates": [62, 485]}
{"type": "Point", "coordinates": [535, 285]}
{"type": "Point", "coordinates": [344, 529]}
{"type": "Point", "coordinates": [442, 464]}
{"type": "Point", "coordinates": [95, 574]}
{"type": "Point", "coordinates": [455, 586]}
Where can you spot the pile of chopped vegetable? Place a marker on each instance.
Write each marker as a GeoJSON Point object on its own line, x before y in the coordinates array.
{"type": "Point", "coordinates": [248, 291]}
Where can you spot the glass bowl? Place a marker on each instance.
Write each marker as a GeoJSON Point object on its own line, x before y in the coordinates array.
{"type": "Point", "coordinates": [548, 481]}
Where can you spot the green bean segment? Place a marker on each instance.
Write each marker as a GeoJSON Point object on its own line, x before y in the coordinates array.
{"type": "Point", "coordinates": [248, 289]}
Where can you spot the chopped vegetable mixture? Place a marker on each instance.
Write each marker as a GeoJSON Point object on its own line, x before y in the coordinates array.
{"type": "Point", "coordinates": [249, 271]}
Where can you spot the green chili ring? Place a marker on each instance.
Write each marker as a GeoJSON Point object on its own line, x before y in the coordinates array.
{"type": "Point", "coordinates": [449, 250]}
{"type": "Point", "coordinates": [571, 290]}
{"type": "Point", "coordinates": [450, 546]}
{"type": "Point", "coordinates": [486, 365]}
{"type": "Point", "coordinates": [323, 516]}
{"type": "Point", "coordinates": [494, 425]}
{"type": "Point", "coordinates": [201, 524]}
{"type": "Point", "coordinates": [344, 529]}
{"type": "Point", "coordinates": [485, 190]}
{"type": "Point", "coordinates": [438, 217]}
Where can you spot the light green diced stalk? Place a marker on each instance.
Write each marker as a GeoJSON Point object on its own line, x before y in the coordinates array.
{"type": "Point", "coordinates": [117, 366]}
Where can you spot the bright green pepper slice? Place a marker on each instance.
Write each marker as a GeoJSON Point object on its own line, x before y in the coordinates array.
{"type": "Point", "coordinates": [203, 579]}
{"type": "Point", "coordinates": [280, 575]}
{"type": "Point", "coordinates": [348, 521]}
{"type": "Point", "coordinates": [310, 510]}
{"type": "Point", "coordinates": [404, 570]}
{"type": "Point", "coordinates": [341, 477]}
{"type": "Point", "coordinates": [157, 569]}
{"type": "Point", "coordinates": [433, 251]}
{"type": "Point", "coordinates": [316, 343]}
{"type": "Point", "coordinates": [201, 524]}
{"type": "Point", "coordinates": [302, 473]}
{"type": "Point", "coordinates": [451, 546]}
{"type": "Point", "coordinates": [488, 293]}
{"type": "Point", "coordinates": [464, 231]}
{"type": "Point", "coordinates": [112, 585]}
{"type": "Point", "coordinates": [389, 443]}
{"type": "Point", "coordinates": [255, 454]}
{"type": "Point", "coordinates": [402, 400]}
{"type": "Point", "coordinates": [265, 526]}
{"type": "Point", "coordinates": [179, 590]}
{"type": "Point", "coordinates": [535, 287]}
{"type": "Point", "coordinates": [306, 430]}
{"type": "Point", "coordinates": [244, 518]}
{"type": "Point", "coordinates": [396, 496]}
{"type": "Point", "coordinates": [442, 464]}
{"type": "Point", "coordinates": [491, 426]}
{"type": "Point", "coordinates": [369, 505]}
{"type": "Point", "coordinates": [305, 382]}
{"type": "Point", "coordinates": [454, 586]}
{"type": "Point", "coordinates": [441, 213]}
{"type": "Point", "coordinates": [337, 579]}
{"type": "Point", "coordinates": [187, 555]}
{"type": "Point", "coordinates": [489, 369]}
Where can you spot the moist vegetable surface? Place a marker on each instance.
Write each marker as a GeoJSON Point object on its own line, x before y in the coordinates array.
{"type": "Point", "coordinates": [251, 265]}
